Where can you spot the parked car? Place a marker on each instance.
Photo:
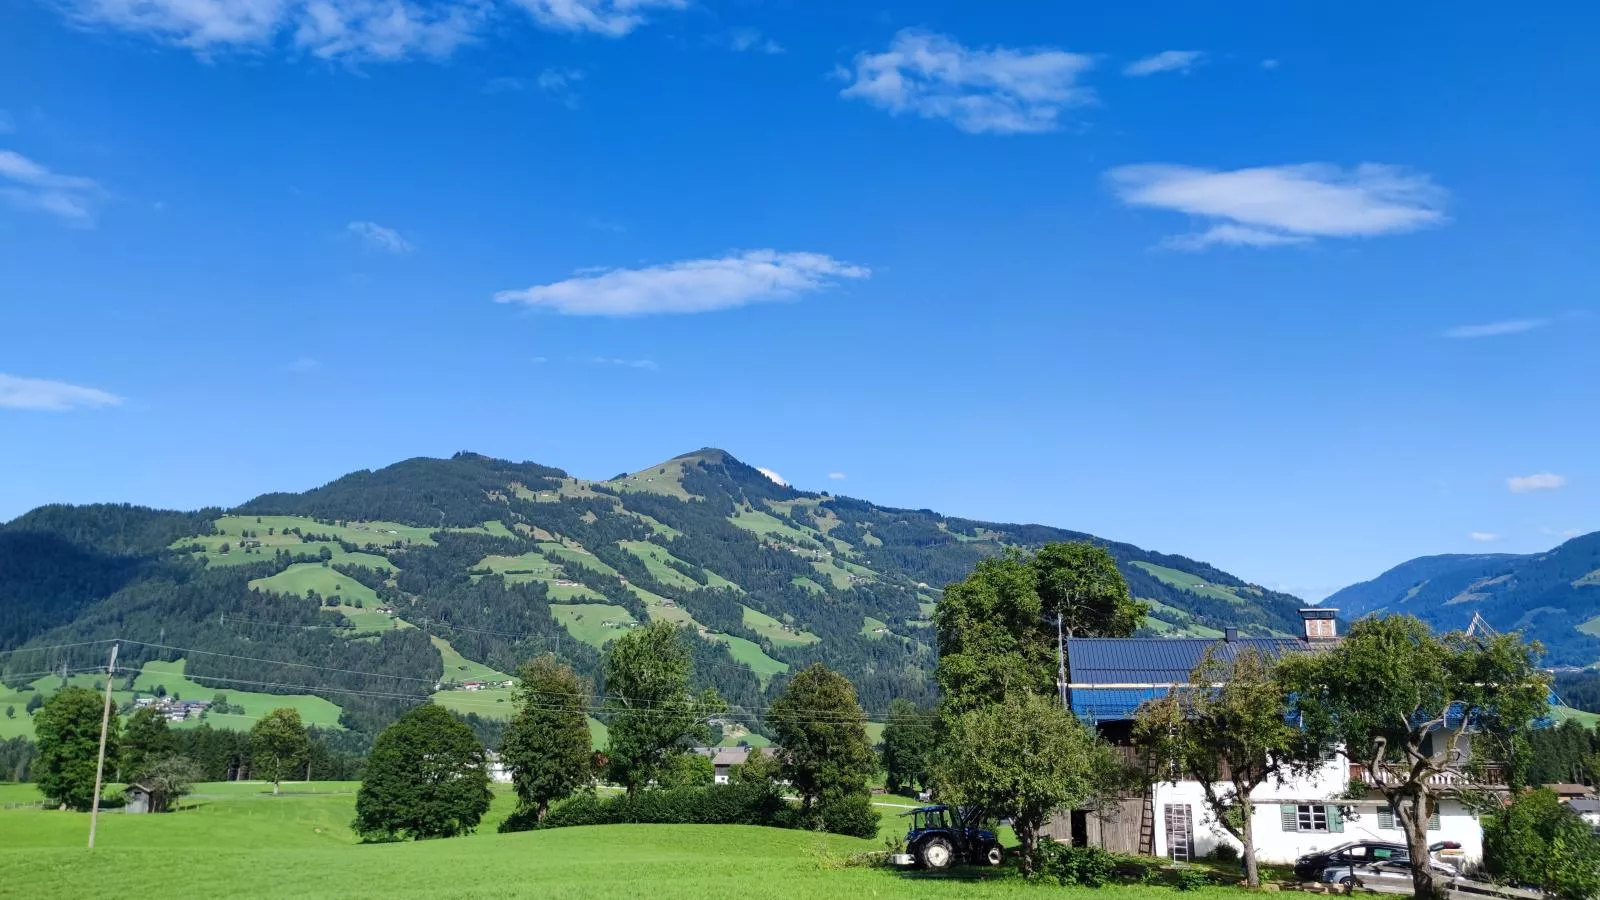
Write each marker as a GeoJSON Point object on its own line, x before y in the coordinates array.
{"type": "Point", "coordinates": [1380, 857]}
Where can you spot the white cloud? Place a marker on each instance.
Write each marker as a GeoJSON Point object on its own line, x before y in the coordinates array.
{"type": "Point", "coordinates": [28, 185]}
{"type": "Point", "coordinates": [836, 476]}
{"type": "Point", "coordinates": [54, 396]}
{"type": "Point", "coordinates": [1000, 90]}
{"type": "Point", "coordinates": [1275, 205]}
{"type": "Point", "coordinates": [1494, 329]}
{"type": "Point", "coordinates": [776, 478]}
{"type": "Point", "coordinates": [751, 40]}
{"type": "Point", "coordinates": [560, 84]}
{"type": "Point", "coordinates": [1561, 532]}
{"type": "Point", "coordinates": [303, 365]}
{"type": "Point", "coordinates": [1484, 537]}
{"type": "Point", "coordinates": [612, 18]}
{"type": "Point", "coordinates": [624, 363]}
{"type": "Point", "coordinates": [1544, 481]}
{"type": "Point", "coordinates": [688, 286]}
{"type": "Point", "coordinates": [351, 30]}
{"type": "Point", "coordinates": [379, 238]}
{"type": "Point", "coordinates": [1165, 61]}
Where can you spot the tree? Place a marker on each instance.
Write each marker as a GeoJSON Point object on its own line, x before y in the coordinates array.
{"type": "Point", "coordinates": [1538, 840]}
{"type": "Point", "coordinates": [654, 714]}
{"type": "Point", "coordinates": [67, 729]}
{"type": "Point", "coordinates": [427, 777]}
{"type": "Point", "coordinates": [1423, 714]}
{"type": "Point", "coordinates": [278, 745]}
{"type": "Point", "coordinates": [1228, 731]}
{"type": "Point", "coordinates": [991, 636]}
{"type": "Point", "coordinates": [908, 742]}
{"type": "Point", "coordinates": [145, 737]}
{"type": "Point", "coordinates": [11, 711]}
{"type": "Point", "coordinates": [822, 734]}
{"type": "Point", "coordinates": [1080, 586]}
{"type": "Point", "coordinates": [167, 778]}
{"type": "Point", "coordinates": [547, 744]}
{"type": "Point", "coordinates": [687, 770]}
{"type": "Point", "coordinates": [1024, 758]}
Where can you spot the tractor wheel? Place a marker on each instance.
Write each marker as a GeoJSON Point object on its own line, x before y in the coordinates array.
{"type": "Point", "coordinates": [936, 854]}
{"type": "Point", "coordinates": [992, 855]}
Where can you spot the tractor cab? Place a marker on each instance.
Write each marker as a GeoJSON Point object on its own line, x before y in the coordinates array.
{"type": "Point", "coordinates": [940, 836]}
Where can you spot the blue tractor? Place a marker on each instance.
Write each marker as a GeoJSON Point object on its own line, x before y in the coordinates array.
{"type": "Point", "coordinates": [941, 836]}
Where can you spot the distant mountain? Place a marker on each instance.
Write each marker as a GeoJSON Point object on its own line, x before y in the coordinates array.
{"type": "Point", "coordinates": [440, 570]}
{"type": "Point", "coordinates": [1552, 597]}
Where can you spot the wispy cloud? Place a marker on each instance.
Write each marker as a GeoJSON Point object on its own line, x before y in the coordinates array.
{"type": "Point", "coordinates": [689, 286]}
{"type": "Point", "coordinates": [1270, 64]}
{"type": "Point", "coordinates": [1544, 481]}
{"type": "Point", "coordinates": [1494, 329]}
{"type": "Point", "coordinates": [1279, 205]}
{"type": "Point", "coordinates": [53, 396]}
{"type": "Point", "coordinates": [623, 363]}
{"type": "Point", "coordinates": [1561, 532]}
{"type": "Point", "coordinates": [1484, 537]}
{"type": "Point", "coordinates": [1165, 61]}
{"type": "Point", "coordinates": [28, 185]}
{"type": "Point", "coordinates": [774, 476]}
{"type": "Point", "coordinates": [751, 40]}
{"type": "Point", "coordinates": [379, 238]}
{"type": "Point", "coordinates": [561, 84]}
{"type": "Point", "coordinates": [612, 18]}
{"type": "Point", "coordinates": [990, 90]}
{"type": "Point", "coordinates": [302, 365]}
{"type": "Point", "coordinates": [836, 476]}
{"type": "Point", "coordinates": [349, 30]}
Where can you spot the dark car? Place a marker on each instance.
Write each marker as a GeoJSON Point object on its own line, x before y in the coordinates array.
{"type": "Point", "coordinates": [1359, 854]}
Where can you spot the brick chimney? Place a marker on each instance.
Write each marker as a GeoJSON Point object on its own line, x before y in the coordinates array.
{"type": "Point", "coordinates": [1321, 624]}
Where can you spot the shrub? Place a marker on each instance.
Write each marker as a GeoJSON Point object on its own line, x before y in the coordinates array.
{"type": "Point", "coordinates": [1225, 853]}
{"type": "Point", "coordinates": [733, 804]}
{"type": "Point", "coordinates": [1084, 866]}
{"type": "Point", "coordinates": [1536, 840]}
{"type": "Point", "coordinates": [1191, 880]}
{"type": "Point", "coordinates": [851, 814]}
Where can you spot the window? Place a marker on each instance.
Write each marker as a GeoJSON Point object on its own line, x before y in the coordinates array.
{"type": "Point", "coordinates": [1387, 819]}
{"type": "Point", "coordinates": [1312, 817]}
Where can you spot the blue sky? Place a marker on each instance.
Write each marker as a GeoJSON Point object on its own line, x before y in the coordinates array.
{"type": "Point", "coordinates": [1292, 288]}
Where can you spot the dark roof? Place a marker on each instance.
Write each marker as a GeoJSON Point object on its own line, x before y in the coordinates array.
{"type": "Point", "coordinates": [1584, 805]}
{"type": "Point", "coordinates": [1134, 670]}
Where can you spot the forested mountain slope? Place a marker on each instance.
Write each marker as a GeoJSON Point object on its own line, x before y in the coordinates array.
{"type": "Point", "coordinates": [1552, 597]}
{"type": "Point", "coordinates": [385, 586]}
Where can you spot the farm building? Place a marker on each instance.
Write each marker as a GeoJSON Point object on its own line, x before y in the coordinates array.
{"type": "Point", "coordinates": [1110, 677]}
{"type": "Point", "coordinates": [725, 758]}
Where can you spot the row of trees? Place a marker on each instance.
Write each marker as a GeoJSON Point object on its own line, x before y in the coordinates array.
{"type": "Point", "coordinates": [145, 751]}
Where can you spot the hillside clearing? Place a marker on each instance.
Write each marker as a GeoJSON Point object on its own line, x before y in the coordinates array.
{"type": "Point", "coordinates": [780, 634]}
{"type": "Point", "coordinates": [595, 624]}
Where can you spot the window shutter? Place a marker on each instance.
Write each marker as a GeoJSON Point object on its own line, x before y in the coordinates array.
{"type": "Point", "coordinates": [1335, 821]}
{"type": "Point", "coordinates": [1433, 821]}
{"type": "Point", "coordinates": [1291, 821]}
{"type": "Point", "coordinates": [1386, 817]}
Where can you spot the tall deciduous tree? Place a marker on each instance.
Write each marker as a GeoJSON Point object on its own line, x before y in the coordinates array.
{"type": "Point", "coordinates": [908, 742]}
{"type": "Point", "coordinates": [654, 715]}
{"type": "Point", "coordinates": [822, 734]}
{"type": "Point", "coordinates": [1423, 714]}
{"type": "Point", "coordinates": [1228, 730]}
{"type": "Point", "coordinates": [67, 729]}
{"type": "Point", "coordinates": [144, 738]}
{"type": "Point", "coordinates": [427, 777]}
{"type": "Point", "coordinates": [1079, 582]}
{"type": "Point", "coordinates": [167, 778]}
{"type": "Point", "coordinates": [278, 745]}
{"type": "Point", "coordinates": [1024, 758]}
{"type": "Point", "coordinates": [992, 638]}
{"type": "Point", "coordinates": [547, 744]}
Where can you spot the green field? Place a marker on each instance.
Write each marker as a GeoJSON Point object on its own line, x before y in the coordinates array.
{"type": "Point", "coordinates": [801, 581]}
{"type": "Point", "coordinates": [1189, 582]}
{"type": "Point", "coordinates": [870, 626]}
{"type": "Point", "coordinates": [459, 668]}
{"type": "Point", "coordinates": [527, 567]}
{"type": "Point", "coordinates": [237, 840]}
{"type": "Point", "coordinates": [361, 534]}
{"type": "Point", "coordinates": [587, 621]}
{"type": "Point", "coordinates": [749, 653]}
{"type": "Point", "coordinates": [170, 675]}
{"type": "Point", "coordinates": [563, 553]}
{"type": "Point", "coordinates": [660, 609]}
{"type": "Point", "coordinates": [301, 577]}
{"type": "Point", "coordinates": [768, 525]}
{"type": "Point", "coordinates": [775, 631]}
{"type": "Point", "coordinates": [655, 557]}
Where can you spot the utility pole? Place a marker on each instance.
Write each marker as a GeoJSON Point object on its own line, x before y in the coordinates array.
{"type": "Point", "coordinates": [100, 764]}
{"type": "Point", "coordinates": [1061, 663]}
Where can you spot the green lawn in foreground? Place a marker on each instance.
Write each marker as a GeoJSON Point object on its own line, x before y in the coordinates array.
{"type": "Point", "coordinates": [588, 621]}
{"type": "Point", "coordinates": [240, 842]}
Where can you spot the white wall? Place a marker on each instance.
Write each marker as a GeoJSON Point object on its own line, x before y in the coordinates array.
{"type": "Point", "coordinates": [1275, 845]}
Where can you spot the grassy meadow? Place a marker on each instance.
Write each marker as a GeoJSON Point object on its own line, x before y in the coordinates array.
{"type": "Point", "coordinates": [236, 840]}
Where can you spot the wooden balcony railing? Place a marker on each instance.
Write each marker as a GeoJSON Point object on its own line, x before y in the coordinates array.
{"type": "Point", "coordinates": [1490, 777]}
